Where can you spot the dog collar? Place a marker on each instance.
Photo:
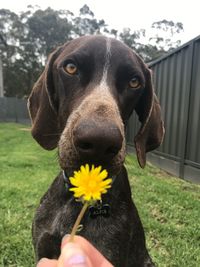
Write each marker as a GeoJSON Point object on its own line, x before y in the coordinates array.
{"type": "Point", "coordinates": [100, 208]}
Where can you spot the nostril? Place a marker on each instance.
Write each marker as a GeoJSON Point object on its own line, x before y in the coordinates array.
{"type": "Point", "coordinates": [85, 146]}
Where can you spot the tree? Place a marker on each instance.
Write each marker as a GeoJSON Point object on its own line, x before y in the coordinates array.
{"type": "Point", "coordinates": [11, 28]}
{"type": "Point", "coordinates": [131, 38]}
{"type": "Point", "coordinates": [165, 37]}
{"type": "Point", "coordinates": [151, 47]}
{"type": "Point", "coordinates": [48, 29]}
{"type": "Point", "coordinates": [30, 36]}
{"type": "Point", "coordinates": [86, 24]}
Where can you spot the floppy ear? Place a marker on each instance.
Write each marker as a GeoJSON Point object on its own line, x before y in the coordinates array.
{"type": "Point", "coordinates": [151, 132]}
{"type": "Point", "coordinates": [42, 107]}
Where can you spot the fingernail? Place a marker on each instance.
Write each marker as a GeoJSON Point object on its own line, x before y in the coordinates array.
{"type": "Point", "coordinates": [75, 260]}
{"type": "Point", "coordinates": [73, 256]}
{"type": "Point", "coordinates": [41, 261]}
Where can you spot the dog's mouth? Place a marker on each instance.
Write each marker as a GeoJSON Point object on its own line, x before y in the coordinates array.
{"type": "Point", "coordinates": [72, 162]}
{"type": "Point", "coordinates": [112, 167]}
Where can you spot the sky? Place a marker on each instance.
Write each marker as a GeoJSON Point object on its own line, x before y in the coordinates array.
{"type": "Point", "coordinates": [119, 14]}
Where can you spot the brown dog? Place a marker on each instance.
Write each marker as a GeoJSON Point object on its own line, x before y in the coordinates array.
{"type": "Point", "coordinates": [81, 104]}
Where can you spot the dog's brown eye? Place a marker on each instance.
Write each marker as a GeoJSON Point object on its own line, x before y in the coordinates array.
{"type": "Point", "coordinates": [71, 68]}
{"type": "Point", "coordinates": [135, 83]}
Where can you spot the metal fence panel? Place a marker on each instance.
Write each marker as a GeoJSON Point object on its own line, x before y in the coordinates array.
{"type": "Point", "coordinates": [170, 85]}
{"type": "Point", "coordinates": [2, 109]}
{"type": "Point", "coordinates": [177, 85]}
{"type": "Point", "coordinates": [13, 110]}
{"type": "Point", "coordinates": [193, 143]}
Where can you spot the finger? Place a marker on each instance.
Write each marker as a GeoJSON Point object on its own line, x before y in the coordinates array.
{"type": "Point", "coordinates": [73, 255]}
{"type": "Point", "coordinates": [65, 240]}
{"type": "Point", "coordinates": [97, 259]}
{"type": "Point", "coordinates": [44, 262]}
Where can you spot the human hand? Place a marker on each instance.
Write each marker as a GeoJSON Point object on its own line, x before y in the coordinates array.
{"type": "Point", "coordinates": [79, 253]}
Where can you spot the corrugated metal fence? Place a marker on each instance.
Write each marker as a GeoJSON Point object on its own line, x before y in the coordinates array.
{"type": "Point", "coordinates": [13, 110]}
{"type": "Point", "coordinates": [177, 85]}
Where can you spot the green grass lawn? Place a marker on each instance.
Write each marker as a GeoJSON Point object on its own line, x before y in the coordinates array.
{"type": "Point", "coordinates": [169, 207]}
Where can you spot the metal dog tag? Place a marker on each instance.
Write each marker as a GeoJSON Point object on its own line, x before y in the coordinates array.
{"type": "Point", "coordinates": [100, 210]}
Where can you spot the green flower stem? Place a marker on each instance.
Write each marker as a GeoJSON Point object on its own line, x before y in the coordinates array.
{"type": "Point", "coordinates": [78, 220]}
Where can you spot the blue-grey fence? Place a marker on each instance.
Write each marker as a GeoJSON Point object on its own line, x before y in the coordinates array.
{"type": "Point", "coordinates": [13, 109]}
{"type": "Point", "coordinates": [177, 84]}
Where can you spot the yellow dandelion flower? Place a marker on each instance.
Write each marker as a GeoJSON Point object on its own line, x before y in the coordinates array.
{"type": "Point", "coordinates": [88, 184]}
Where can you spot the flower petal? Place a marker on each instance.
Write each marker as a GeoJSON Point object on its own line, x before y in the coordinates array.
{"type": "Point", "coordinates": [90, 184]}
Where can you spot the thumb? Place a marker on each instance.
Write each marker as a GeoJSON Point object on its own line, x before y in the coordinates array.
{"type": "Point", "coordinates": [73, 255]}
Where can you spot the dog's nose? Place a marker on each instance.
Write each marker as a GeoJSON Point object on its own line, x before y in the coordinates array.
{"type": "Point", "coordinates": [97, 141]}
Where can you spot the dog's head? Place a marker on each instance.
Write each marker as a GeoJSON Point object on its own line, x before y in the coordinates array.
{"type": "Point", "coordinates": [83, 99]}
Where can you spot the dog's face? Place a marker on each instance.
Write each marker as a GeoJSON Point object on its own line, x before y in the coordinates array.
{"type": "Point", "coordinates": [84, 98]}
{"type": "Point", "coordinates": [93, 110]}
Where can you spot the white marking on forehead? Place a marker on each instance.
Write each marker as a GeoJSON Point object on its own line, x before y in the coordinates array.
{"type": "Point", "coordinates": [107, 62]}
{"type": "Point", "coordinates": [102, 92]}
